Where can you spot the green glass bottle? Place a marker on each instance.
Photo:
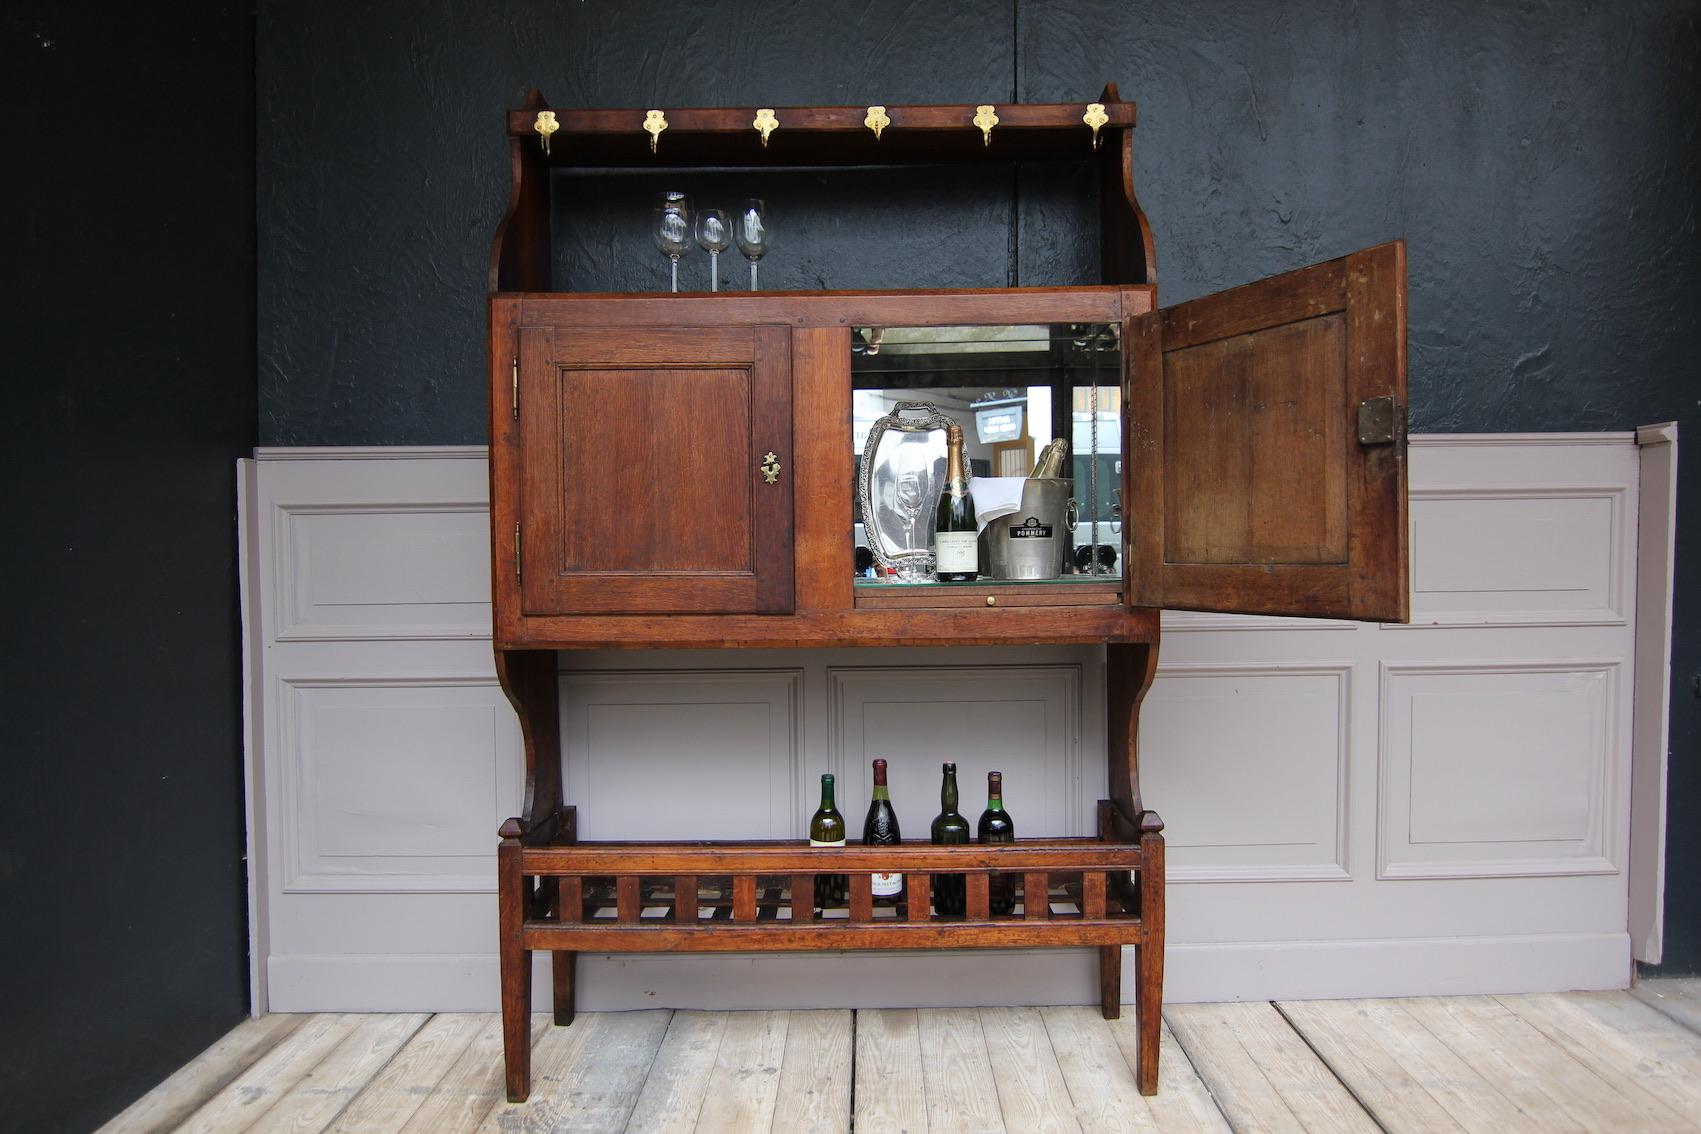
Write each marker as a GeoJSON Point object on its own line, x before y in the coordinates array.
{"type": "Point", "coordinates": [827, 829]}
{"type": "Point", "coordinates": [880, 829]}
{"type": "Point", "coordinates": [949, 829]}
{"type": "Point", "coordinates": [996, 826]}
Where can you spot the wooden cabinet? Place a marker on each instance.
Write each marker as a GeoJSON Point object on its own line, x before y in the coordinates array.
{"type": "Point", "coordinates": [675, 471]}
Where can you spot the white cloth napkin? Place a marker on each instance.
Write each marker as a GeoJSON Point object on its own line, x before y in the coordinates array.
{"type": "Point", "coordinates": [995, 496]}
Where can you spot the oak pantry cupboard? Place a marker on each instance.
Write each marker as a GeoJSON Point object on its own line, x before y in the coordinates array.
{"type": "Point", "coordinates": [1262, 470]}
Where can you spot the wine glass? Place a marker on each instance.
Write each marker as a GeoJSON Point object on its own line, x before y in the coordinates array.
{"type": "Point", "coordinates": [714, 233]}
{"type": "Point", "coordinates": [673, 228]}
{"type": "Point", "coordinates": [752, 234]}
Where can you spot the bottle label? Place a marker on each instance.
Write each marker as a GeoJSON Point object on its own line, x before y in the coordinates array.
{"type": "Point", "coordinates": [886, 885]}
{"type": "Point", "coordinates": [955, 551]}
{"type": "Point", "coordinates": [819, 843]}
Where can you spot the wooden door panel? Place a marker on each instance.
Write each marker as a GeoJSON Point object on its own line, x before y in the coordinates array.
{"type": "Point", "coordinates": [1250, 490]}
{"type": "Point", "coordinates": [642, 489]}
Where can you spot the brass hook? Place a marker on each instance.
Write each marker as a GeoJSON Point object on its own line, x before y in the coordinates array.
{"type": "Point", "coordinates": [545, 126]}
{"type": "Point", "coordinates": [986, 118]}
{"type": "Point", "coordinates": [1095, 117]}
{"type": "Point", "coordinates": [654, 123]}
{"type": "Point", "coordinates": [765, 123]}
{"type": "Point", "coordinates": [877, 120]}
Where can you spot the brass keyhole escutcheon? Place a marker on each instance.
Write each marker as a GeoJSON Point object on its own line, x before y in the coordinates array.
{"type": "Point", "coordinates": [771, 468]}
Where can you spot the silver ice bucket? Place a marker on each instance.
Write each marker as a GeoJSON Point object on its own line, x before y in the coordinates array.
{"type": "Point", "coordinates": [1036, 540]}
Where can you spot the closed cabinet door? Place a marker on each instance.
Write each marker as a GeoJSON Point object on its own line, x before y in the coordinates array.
{"type": "Point", "coordinates": [656, 470]}
{"type": "Point", "coordinates": [1266, 445]}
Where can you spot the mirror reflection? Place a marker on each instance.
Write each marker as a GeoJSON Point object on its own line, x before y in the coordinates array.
{"type": "Point", "coordinates": [1012, 391]}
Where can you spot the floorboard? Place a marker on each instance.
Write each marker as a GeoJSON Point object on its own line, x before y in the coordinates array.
{"type": "Point", "coordinates": [1555, 1062]}
{"type": "Point", "coordinates": [1677, 997]}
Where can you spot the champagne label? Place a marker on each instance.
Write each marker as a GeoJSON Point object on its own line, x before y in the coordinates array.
{"type": "Point", "coordinates": [819, 843]}
{"type": "Point", "coordinates": [886, 885]}
{"type": "Point", "coordinates": [955, 551]}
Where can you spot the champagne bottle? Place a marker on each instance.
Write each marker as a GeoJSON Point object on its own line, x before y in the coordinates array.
{"type": "Point", "coordinates": [996, 826]}
{"type": "Point", "coordinates": [880, 829]}
{"type": "Point", "coordinates": [949, 829]}
{"type": "Point", "coordinates": [955, 554]}
{"type": "Point", "coordinates": [827, 829]}
{"type": "Point", "coordinates": [1050, 462]}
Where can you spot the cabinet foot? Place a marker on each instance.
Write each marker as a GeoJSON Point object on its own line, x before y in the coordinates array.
{"type": "Point", "coordinates": [516, 965]}
{"type": "Point", "coordinates": [561, 967]}
{"type": "Point", "coordinates": [1110, 981]}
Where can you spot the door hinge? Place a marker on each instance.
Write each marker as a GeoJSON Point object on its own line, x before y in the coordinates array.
{"type": "Point", "coordinates": [516, 551]}
{"type": "Point", "coordinates": [516, 390]}
{"type": "Point", "coordinates": [1378, 421]}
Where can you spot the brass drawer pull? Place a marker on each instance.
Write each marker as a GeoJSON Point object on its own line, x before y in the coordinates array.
{"type": "Point", "coordinates": [771, 468]}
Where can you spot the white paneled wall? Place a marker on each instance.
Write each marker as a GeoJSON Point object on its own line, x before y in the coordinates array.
{"type": "Point", "coordinates": [1351, 809]}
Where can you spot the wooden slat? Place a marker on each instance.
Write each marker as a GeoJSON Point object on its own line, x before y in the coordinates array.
{"type": "Point", "coordinates": [628, 899]}
{"type": "Point", "coordinates": [861, 898]}
{"type": "Point", "coordinates": [1036, 895]}
{"type": "Point", "coordinates": [1182, 1102]}
{"type": "Point", "coordinates": [744, 898]}
{"type": "Point", "coordinates": [1092, 894]}
{"type": "Point", "coordinates": [249, 1095]}
{"type": "Point", "coordinates": [745, 1083]}
{"type": "Point", "coordinates": [685, 899]}
{"type": "Point", "coordinates": [679, 1076]}
{"type": "Point", "coordinates": [464, 1098]}
{"type": "Point", "coordinates": [401, 1088]}
{"type": "Point", "coordinates": [791, 857]}
{"type": "Point", "coordinates": [168, 1104]}
{"type": "Point", "coordinates": [586, 1078]}
{"type": "Point", "coordinates": [978, 894]}
{"type": "Point", "coordinates": [802, 897]}
{"type": "Point", "coordinates": [323, 1093]}
{"type": "Point", "coordinates": [1261, 1071]}
{"type": "Point", "coordinates": [1544, 1081]}
{"type": "Point", "coordinates": [1620, 1043]}
{"type": "Point", "coordinates": [731, 937]}
{"type": "Point", "coordinates": [918, 889]}
{"type": "Point", "coordinates": [1343, 1035]}
{"type": "Point", "coordinates": [890, 1091]}
{"type": "Point", "coordinates": [961, 1093]}
{"type": "Point", "coordinates": [1031, 1090]}
{"type": "Point", "coordinates": [572, 898]}
{"type": "Point", "coordinates": [815, 1078]}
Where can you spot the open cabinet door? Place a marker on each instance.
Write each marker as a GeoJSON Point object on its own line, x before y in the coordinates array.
{"type": "Point", "coordinates": [1267, 448]}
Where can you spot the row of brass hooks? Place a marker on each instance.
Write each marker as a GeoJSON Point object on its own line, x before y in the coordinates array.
{"type": "Point", "coordinates": [765, 123]}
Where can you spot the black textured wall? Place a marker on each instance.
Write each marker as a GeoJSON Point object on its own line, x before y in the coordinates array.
{"type": "Point", "coordinates": [129, 357]}
{"type": "Point", "coordinates": [1541, 158]}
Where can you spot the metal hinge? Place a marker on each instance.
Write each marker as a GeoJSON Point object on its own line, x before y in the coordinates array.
{"type": "Point", "coordinates": [516, 551]}
{"type": "Point", "coordinates": [516, 389]}
{"type": "Point", "coordinates": [1378, 421]}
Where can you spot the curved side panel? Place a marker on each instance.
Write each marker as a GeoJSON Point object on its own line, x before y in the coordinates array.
{"type": "Point", "coordinates": [519, 256]}
{"type": "Point", "coordinates": [1127, 254]}
{"type": "Point", "coordinates": [1129, 669]}
{"type": "Point", "coordinates": [529, 679]}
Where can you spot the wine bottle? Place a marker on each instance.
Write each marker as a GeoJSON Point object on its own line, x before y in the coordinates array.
{"type": "Point", "coordinates": [955, 553]}
{"type": "Point", "coordinates": [996, 826]}
{"type": "Point", "coordinates": [949, 829]}
{"type": "Point", "coordinates": [827, 829]}
{"type": "Point", "coordinates": [880, 829]}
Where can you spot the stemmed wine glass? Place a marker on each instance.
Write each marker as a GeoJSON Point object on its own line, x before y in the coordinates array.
{"type": "Point", "coordinates": [673, 228]}
{"type": "Point", "coordinates": [752, 234]}
{"type": "Point", "coordinates": [713, 235]}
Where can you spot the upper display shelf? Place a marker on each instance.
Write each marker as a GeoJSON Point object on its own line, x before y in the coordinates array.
{"type": "Point", "coordinates": [542, 138]}
{"type": "Point", "coordinates": [820, 135]}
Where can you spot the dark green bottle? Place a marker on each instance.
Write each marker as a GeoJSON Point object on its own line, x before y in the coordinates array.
{"type": "Point", "coordinates": [949, 829]}
{"type": "Point", "coordinates": [996, 826]}
{"type": "Point", "coordinates": [827, 829]}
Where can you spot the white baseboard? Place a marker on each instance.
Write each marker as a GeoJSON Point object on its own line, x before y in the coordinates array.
{"type": "Point", "coordinates": [1299, 970]}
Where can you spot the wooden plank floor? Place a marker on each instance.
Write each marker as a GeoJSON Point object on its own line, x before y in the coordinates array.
{"type": "Point", "coordinates": [1583, 1061]}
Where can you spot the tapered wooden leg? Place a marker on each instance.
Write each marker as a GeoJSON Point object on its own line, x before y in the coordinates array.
{"type": "Point", "coordinates": [1149, 954]}
{"type": "Point", "coordinates": [516, 963]}
{"type": "Point", "coordinates": [1110, 981]}
{"type": "Point", "coordinates": [561, 966]}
